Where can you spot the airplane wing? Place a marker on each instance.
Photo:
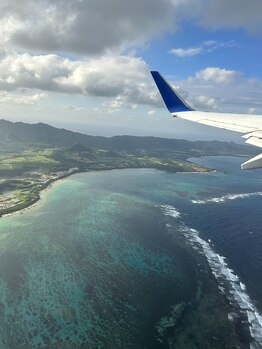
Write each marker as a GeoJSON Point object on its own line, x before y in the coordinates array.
{"type": "Point", "coordinates": [249, 125]}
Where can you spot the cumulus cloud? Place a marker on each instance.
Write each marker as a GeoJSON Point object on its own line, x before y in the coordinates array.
{"type": "Point", "coordinates": [233, 13]}
{"type": "Point", "coordinates": [106, 76]}
{"type": "Point", "coordinates": [113, 105]}
{"type": "Point", "coordinates": [204, 102]}
{"type": "Point", "coordinates": [204, 47]}
{"type": "Point", "coordinates": [223, 90]}
{"type": "Point", "coordinates": [10, 98]}
{"type": "Point", "coordinates": [143, 93]}
{"type": "Point", "coordinates": [86, 27]}
{"type": "Point", "coordinates": [97, 26]}
{"type": "Point", "coordinates": [125, 80]}
{"type": "Point", "coordinates": [133, 95]}
{"type": "Point", "coordinates": [218, 89]}
{"type": "Point", "coordinates": [219, 14]}
{"type": "Point", "coordinates": [218, 75]}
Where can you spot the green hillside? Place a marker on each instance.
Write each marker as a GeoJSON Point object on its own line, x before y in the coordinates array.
{"type": "Point", "coordinates": [34, 155]}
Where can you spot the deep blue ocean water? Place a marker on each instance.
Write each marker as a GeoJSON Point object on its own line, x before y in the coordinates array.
{"type": "Point", "coordinates": [136, 259]}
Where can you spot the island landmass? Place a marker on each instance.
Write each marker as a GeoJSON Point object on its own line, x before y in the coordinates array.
{"type": "Point", "coordinates": [32, 156]}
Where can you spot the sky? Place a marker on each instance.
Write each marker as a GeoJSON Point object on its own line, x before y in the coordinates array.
{"type": "Point", "coordinates": [85, 64]}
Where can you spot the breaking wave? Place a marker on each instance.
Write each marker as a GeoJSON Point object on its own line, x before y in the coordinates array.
{"type": "Point", "coordinates": [171, 211]}
{"type": "Point", "coordinates": [229, 283]}
{"type": "Point", "coordinates": [227, 197]}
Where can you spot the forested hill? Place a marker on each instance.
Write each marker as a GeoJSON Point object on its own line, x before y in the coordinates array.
{"type": "Point", "coordinates": [23, 135]}
{"type": "Point", "coordinates": [32, 156]}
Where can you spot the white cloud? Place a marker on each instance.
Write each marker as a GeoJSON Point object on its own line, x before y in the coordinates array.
{"type": "Point", "coordinates": [204, 103]}
{"type": "Point", "coordinates": [97, 26]}
{"type": "Point", "coordinates": [85, 27]}
{"type": "Point", "coordinates": [106, 76]}
{"type": "Point", "coordinates": [132, 96]}
{"type": "Point", "coordinates": [233, 13]}
{"type": "Point", "coordinates": [188, 52]}
{"type": "Point", "coordinates": [223, 90]}
{"type": "Point", "coordinates": [124, 79]}
{"type": "Point", "coordinates": [97, 34]}
{"type": "Point", "coordinates": [204, 47]}
{"type": "Point", "coordinates": [218, 75]}
{"type": "Point", "coordinates": [143, 93]}
{"type": "Point", "coordinates": [219, 14]}
{"type": "Point", "coordinates": [151, 112]}
{"type": "Point", "coordinates": [11, 98]}
{"type": "Point", "coordinates": [113, 105]}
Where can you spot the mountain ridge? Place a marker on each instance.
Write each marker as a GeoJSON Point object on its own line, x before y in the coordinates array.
{"type": "Point", "coordinates": [41, 133]}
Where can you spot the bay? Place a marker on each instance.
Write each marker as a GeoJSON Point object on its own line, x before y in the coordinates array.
{"type": "Point", "coordinates": [117, 259]}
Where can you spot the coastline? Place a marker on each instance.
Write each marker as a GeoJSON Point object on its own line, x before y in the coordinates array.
{"type": "Point", "coordinates": [46, 186]}
{"type": "Point", "coordinates": [199, 172]}
{"type": "Point", "coordinates": [184, 322]}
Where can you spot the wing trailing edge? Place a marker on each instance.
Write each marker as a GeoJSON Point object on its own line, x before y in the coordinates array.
{"type": "Point", "coordinates": [253, 163]}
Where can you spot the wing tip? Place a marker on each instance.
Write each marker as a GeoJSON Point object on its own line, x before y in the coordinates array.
{"type": "Point", "coordinates": [173, 101]}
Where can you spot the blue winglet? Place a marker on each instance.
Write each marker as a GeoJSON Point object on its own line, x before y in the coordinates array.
{"type": "Point", "coordinates": [172, 100]}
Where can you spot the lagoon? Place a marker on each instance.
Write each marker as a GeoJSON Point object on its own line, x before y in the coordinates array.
{"type": "Point", "coordinates": [106, 260]}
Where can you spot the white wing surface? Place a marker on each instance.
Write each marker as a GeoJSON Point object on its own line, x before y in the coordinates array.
{"type": "Point", "coordinates": [249, 125]}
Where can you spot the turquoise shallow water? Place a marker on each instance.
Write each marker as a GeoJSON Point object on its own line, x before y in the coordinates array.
{"type": "Point", "coordinates": [102, 260]}
{"type": "Point", "coordinates": [86, 267]}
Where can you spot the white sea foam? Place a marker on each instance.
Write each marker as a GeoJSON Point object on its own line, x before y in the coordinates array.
{"type": "Point", "coordinates": [229, 282]}
{"type": "Point", "coordinates": [171, 211]}
{"type": "Point", "coordinates": [224, 198]}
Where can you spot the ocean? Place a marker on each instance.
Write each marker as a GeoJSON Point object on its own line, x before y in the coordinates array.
{"type": "Point", "coordinates": [136, 258]}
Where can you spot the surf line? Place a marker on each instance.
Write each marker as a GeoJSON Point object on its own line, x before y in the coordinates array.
{"type": "Point", "coordinates": [224, 198]}
{"type": "Point", "coordinates": [229, 283]}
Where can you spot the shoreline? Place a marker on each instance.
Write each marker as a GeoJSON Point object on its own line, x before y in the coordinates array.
{"type": "Point", "coordinates": [46, 186]}
{"type": "Point", "coordinates": [198, 172]}
{"type": "Point", "coordinates": [206, 291]}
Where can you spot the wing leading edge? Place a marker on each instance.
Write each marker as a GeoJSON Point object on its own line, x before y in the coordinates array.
{"type": "Point", "coordinates": [249, 125]}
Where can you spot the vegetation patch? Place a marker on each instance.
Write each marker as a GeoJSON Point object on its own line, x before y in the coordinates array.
{"type": "Point", "coordinates": [32, 156]}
